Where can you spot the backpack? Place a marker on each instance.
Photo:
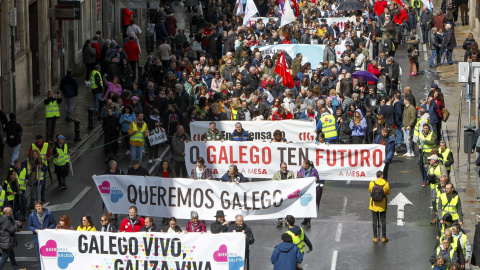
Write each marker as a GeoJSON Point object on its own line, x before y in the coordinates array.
{"type": "Point", "coordinates": [13, 138]}
{"type": "Point", "coordinates": [377, 193]}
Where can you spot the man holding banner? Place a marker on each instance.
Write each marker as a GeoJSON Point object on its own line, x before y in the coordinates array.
{"type": "Point", "coordinates": [240, 226]}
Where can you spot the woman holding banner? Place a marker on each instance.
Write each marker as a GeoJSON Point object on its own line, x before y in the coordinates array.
{"type": "Point", "coordinates": [200, 171]}
{"type": "Point", "coordinates": [308, 170]}
{"type": "Point", "coordinates": [233, 175]}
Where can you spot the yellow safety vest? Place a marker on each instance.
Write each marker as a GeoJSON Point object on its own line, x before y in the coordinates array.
{"type": "Point", "coordinates": [51, 109]}
{"type": "Point", "coordinates": [435, 171]}
{"type": "Point", "coordinates": [438, 192]}
{"type": "Point", "coordinates": [29, 172]}
{"type": "Point", "coordinates": [234, 114]}
{"type": "Point", "coordinates": [10, 197]}
{"type": "Point", "coordinates": [416, 130]}
{"type": "Point", "coordinates": [451, 253]}
{"type": "Point", "coordinates": [21, 178]}
{"type": "Point", "coordinates": [463, 239]}
{"type": "Point", "coordinates": [418, 2]}
{"type": "Point", "coordinates": [298, 240]}
{"type": "Point", "coordinates": [329, 128]}
{"type": "Point", "coordinates": [138, 136]}
{"type": "Point", "coordinates": [2, 200]}
{"type": "Point", "coordinates": [427, 148]}
{"type": "Point", "coordinates": [451, 207]}
{"type": "Point", "coordinates": [92, 80]}
{"type": "Point", "coordinates": [454, 242]}
{"type": "Point", "coordinates": [62, 157]}
{"type": "Point", "coordinates": [444, 157]}
{"type": "Point", "coordinates": [44, 151]}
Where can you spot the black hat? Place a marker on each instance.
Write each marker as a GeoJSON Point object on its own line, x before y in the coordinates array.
{"type": "Point", "coordinates": [287, 238]}
{"type": "Point", "coordinates": [220, 213]}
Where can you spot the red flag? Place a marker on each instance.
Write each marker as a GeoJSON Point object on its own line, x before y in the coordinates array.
{"type": "Point", "coordinates": [281, 69]}
{"type": "Point", "coordinates": [296, 7]}
{"type": "Point", "coordinates": [400, 3]}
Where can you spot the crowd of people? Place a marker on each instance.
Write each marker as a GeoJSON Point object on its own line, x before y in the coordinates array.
{"type": "Point", "coordinates": [219, 74]}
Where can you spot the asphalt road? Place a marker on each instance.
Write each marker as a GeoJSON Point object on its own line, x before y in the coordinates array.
{"type": "Point", "coordinates": [342, 234]}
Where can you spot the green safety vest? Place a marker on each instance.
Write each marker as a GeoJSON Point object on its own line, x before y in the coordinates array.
{"type": "Point", "coordinates": [10, 197]}
{"type": "Point", "coordinates": [451, 207]}
{"type": "Point", "coordinates": [92, 80]}
{"type": "Point", "coordinates": [435, 171]}
{"type": "Point", "coordinates": [298, 240]}
{"type": "Point", "coordinates": [21, 178]}
{"type": "Point", "coordinates": [234, 114]}
{"type": "Point", "coordinates": [416, 130]}
{"type": "Point", "coordinates": [138, 137]}
{"type": "Point", "coordinates": [29, 172]}
{"type": "Point", "coordinates": [2, 200]}
{"type": "Point", "coordinates": [417, 2]}
{"type": "Point", "coordinates": [438, 193]}
{"type": "Point", "coordinates": [427, 148]}
{"type": "Point", "coordinates": [44, 151]}
{"type": "Point", "coordinates": [62, 157]}
{"type": "Point", "coordinates": [444, 157]}
{"type": "Point", "coordinates": [329, 127]}
{"type": "Point", "coordinates": [51, 109]}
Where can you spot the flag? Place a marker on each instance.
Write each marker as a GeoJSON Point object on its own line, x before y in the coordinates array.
{"type": "Point", "coordinates": [296, 7]}
{"type": "Point", "coordinates": [281, 5]}
{"type": "Point", "coordinates": [287, 14]}
{"type": "Point", "coordinates": [239, 7]}
{"type": "Point", "coordinates": [250, 11]}
{"type": "Point", "coordinates": [428, 3]}
{"type": "Point", "coordinates": [282, 70]}
{"type": "Point", "coordinates": [400, 3]}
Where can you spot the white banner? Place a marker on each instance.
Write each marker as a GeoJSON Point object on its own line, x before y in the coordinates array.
{"type": "Point", "coordinates": [293, 130]}
{"type": "Point", "coordinates": [177, 197]}
{"type": "Point", "coordinates": [157, 135]}
{"type": "Point", "coordinates": [357, 162]}
{"type": "Point", "coordinates": [80, 250]}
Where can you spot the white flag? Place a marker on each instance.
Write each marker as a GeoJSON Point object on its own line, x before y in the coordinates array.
{"type": "Point", "coordinates": [239, 7]}
{"type": "Point", "coordinates": [250, 11]}
{"type": "Point", "coordinates": [287, 16]}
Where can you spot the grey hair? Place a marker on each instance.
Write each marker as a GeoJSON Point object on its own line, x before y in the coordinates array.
{"type": "Point", "coordinates": [251, 69]}
{"type": "Point", "coordinates": [238, 124]}
{"type": "Point", "coordinates": [112, 162]}
{"type": "Point", "coordinates": [237, 216]}
{"type": "Point", "coordinates": [354, 95]}
{"type": "Point", "coordinates": [179, 86]}
{"type": "Point", "coordinates": [193, 214]}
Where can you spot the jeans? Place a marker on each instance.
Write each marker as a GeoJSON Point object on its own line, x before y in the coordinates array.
{"type": "Point", "coordinates": [436, 54]}
{"type": "Point", "coordinates": [435, 130]}
{"type": "Point", "coordinates": [13, 152]}
{"type": "Point", "coordinates": [449, 56]}
{"type": "Point", "coordinates": [69, 107]}
{"type": "Point", "coordinates": [406, 137]}
{"type": "Point", "coordinates": [382, 216]}
{"type": "Point", "coordinates": [398, 137]}
{"type": "Point", "coordinates": [136, 152]}
{"type": "Point", "coordinates": [96, 98]}
{"type": "Point", "coordinates": [51, 124]}
{"type": "Point", "coordinates": [8, 253]}
{"type": "Point", "coordinates": [37, 252]}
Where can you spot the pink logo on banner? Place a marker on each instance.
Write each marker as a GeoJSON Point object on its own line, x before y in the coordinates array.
{"type": "Point", "coordinates": [295, 194]}
{"type": "Point", "coordinates": [221, 254]}
{"type": "Point", "coordinates": [49, 249]}
{"type": "Point", "coordinates": [104, 187]}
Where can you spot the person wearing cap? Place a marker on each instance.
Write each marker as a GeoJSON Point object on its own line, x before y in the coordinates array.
{"type": "Point", "coordinates": [195, 225]}
{"type": "Point", "coordinates": [61, 154]}
{"type": "Point", "coordinates": [220, 225]}
{"type": "Point", "coordinates": [137, 169]}
{"type": "Point", "coordinates": [286, 255]}
{"type": "Point", "coordinates": [213, 134]}
{"type": "Point", "coordinates": [450, 202]}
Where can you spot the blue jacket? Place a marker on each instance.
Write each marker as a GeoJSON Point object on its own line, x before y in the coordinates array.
{"type": "Point", "coordinates": [285, 256]}
{"type": "Point", "coordinates": [242, 136]}
{"type": "Point", "coordinates": [313, 173]}
{"type": "Point", "coordinates": [359, 130]}
{"type": "Point", "coordinates": [34, 223]}
{"type": "Point", "coordinates": [390, 147]}
{"type": "Point", "coordinates": [239, 178]}
{"type": "Point", "coordinates": [431, 112]}
{"type": "Point", "coordinates": [130, 118]}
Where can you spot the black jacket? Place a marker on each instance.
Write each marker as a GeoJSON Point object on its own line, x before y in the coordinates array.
{"type": "Point", "coordinates": [141, 171]}
{"type": "Point", "coordinates": [217, 227]}
{"type": "Point", "coordinates": [8, 227]}
{"type": "Point", "coordinates": [152, 229]}
{"type": "Point", "coordinates": [475, 260]}
{"type": "Point", "coordinates": [182, 100]}
{"type": "Point", "coordinates": [165, 229]}
{"type": "Point", "coordinates": [69, 86]}
{"type": "Point", "coordinates": [241, 114]}
{"type": "Point", "coordinates": [262, 108]}
{"type": "Point", "coordinates": [234, 228]}
{"type": "Point", "coordinates": [110, 126]}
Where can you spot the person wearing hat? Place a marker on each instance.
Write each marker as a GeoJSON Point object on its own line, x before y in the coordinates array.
{"type": "Point", "coordinates": [220, 225]}
{"type": "Point", "coordinates": [137, 169]}
{"type": "Point", "coordinates": [286, 255]}
{"type": "Point", "coordinates": [61, 154]}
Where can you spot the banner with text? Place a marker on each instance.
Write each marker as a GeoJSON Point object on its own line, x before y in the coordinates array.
{"type": "Point", "coordinates": [157, 135]}
{"type": "Point", "coordinates": [293, 130]}
{"type": "Point", "coordinates": [310, 53]}
{"type": "Point", "coordinates": [80, 250]}
{"type": "Point", "coordinates": [177, 197]}
{"type": "Point", "coordinates": [357, 162]}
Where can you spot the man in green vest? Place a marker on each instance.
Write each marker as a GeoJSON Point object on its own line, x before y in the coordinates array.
{"type": "Point", "coordinates": [463, 240]}
{"type": "Point", "coordinates": [426, 143]}
{"type": "Point", "coordinates": [440, 188]}
{"type": "Point", "coordinates": [450, 203]}
{"type": "Point", "coordinates": [446, 156]}
{"type": "Point", "coordinates": [138, 131]}
{"type": "Point", "coordinates": [52, 113]}
{"type": "Point", "coordinates": [42, 147]}
{"type": "Point", "coordinates": [22, 182]}
{"type": "Point", "coordinates": [328, 125]}
{"type": "Point", "coordinates": [299, 237]}
{"type": "Point", "coordinates": [61, 161]}
{"type": "Point", "coordinates": [96, 87]}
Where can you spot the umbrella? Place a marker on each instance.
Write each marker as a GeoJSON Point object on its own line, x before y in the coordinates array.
{"type": "Point", "coordinates": [367, 76]}
{"type": "Point", "coordinates": [350, 5]}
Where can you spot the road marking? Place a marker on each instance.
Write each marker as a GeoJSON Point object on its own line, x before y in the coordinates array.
{"type": "Point", "coordinates": [400, 200]}
{"type": "Point", "coordinates": [348, 182]}
{"type": "Point", "coordinates": [30, 245]}
{"type": "Point", "coordinates": [334, 260]}
{"type": "Point", "coordinates": [158, 162]}
{"type": "Point", "coordinates": [70, 205]}
{"type": "Point", "coordinates": [345, 201]}
{"type": "Point", "coordinates": [339, 232]}
{"type": "Point", "coordinates": [26, 259]}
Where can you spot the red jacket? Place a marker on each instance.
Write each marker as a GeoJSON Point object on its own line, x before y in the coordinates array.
{"type": "Point", "coordinates": [126, 225]}
{"type": "Point", "coordinates": [285, 116]}
{"type": "Point", "coordinates": [132, 50]}
{"type": "Point", "coordinates": [375, 71]}
{"type": "Point", "coordinates": [96, 46]}
{"type": "Point", "coordinates": [127, 16]}
{"type": "Point", "coordinates": [379, 7]}
{"type": "Point", "coordinates": [400, 19]}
